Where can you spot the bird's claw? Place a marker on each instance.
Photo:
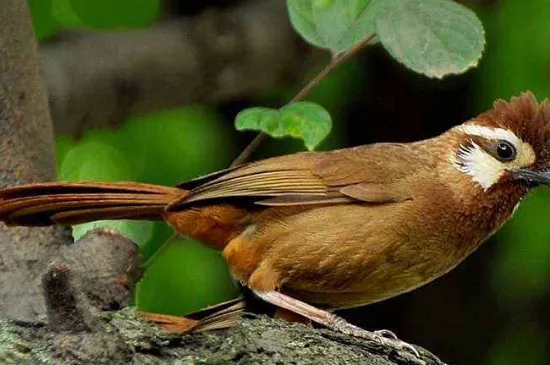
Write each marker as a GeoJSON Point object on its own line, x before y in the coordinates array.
{"type": "Point", "coordinates": [386, 334]}
{"type": "Point", "coordinates": [384, 337]}
{"type": "Point", "coordinates": [398, 344]}
{"type": "Point", "coordinates": [389, 339]}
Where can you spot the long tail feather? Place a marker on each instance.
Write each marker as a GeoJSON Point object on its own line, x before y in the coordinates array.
{"type": "Point", "coordinates": [219, 316]}
{"type": "Point", "coordinates": [79, 202]}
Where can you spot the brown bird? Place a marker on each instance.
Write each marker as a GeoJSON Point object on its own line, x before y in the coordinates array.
{"type": "Point", "coordinates": [334, 229]}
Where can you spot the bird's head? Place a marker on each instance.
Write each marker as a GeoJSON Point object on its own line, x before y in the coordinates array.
{"type": "Point", "coordinates": [508, 145]}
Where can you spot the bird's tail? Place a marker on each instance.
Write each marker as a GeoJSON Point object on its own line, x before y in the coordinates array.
{"type": "Point", "coordinates": [79, 202]}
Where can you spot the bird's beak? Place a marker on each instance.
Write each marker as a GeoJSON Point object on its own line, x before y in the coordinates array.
{"type": "Point", "coordinates": [534, 177]}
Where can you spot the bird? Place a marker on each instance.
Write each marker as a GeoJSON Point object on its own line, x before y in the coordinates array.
{"type": "Point", "coordinates": [314, 232]}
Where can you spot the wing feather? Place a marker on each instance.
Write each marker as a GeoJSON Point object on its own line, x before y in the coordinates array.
{"type": "Point", "coordinates": [368, 173]}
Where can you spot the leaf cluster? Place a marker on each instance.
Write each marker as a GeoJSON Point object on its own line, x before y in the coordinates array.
{"type": "Point", "coordinates": [432, 37]}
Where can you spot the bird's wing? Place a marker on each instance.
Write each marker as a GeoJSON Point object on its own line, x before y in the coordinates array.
{"type": "Point", "coordinates": [369, 173]}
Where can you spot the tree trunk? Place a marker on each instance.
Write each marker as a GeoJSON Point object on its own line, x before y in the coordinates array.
{"type": "Point", "coordinates": [26, 155]}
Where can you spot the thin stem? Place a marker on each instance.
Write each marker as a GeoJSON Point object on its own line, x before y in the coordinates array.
{"type": "Point", "coordinates": [335, 61]}
{"type": "Point", "coordinates": [316, 80]}
{"type": "Point", "coordinates": [249, 150]}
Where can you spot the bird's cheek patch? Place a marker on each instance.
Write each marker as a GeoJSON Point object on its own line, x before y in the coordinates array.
{"type": "Point", "coordinates": [526, 156]}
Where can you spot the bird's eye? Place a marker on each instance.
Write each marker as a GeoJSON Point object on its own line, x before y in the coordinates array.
{"type": "Point", "coordinates": [506, 151]}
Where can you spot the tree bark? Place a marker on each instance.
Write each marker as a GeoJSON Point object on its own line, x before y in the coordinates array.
{"type": "Point", "coordinates": [99, 79]}
{"type": "Point", "coordinates": [26, 155]}
{"type": "Point", "coordinates": [122, 339]}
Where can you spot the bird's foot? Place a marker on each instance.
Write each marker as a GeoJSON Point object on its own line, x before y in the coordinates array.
{"type": "Point", "coordinates": [385, 337]}
{"type": "Point", "coordinates": [388, 338]}
{"type": "Point", "coordinates": [386, 333]}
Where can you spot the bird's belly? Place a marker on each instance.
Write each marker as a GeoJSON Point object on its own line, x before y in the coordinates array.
{"type": "Point", "coordinates": [381, 284]}
{"type": "Point", "coordinates": [383, 277]}
{"type": "Point", "coordinates": [338, 256]}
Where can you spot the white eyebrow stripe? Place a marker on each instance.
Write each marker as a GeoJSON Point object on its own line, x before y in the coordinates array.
{"type": "Point", "coordinates": [489, 133]}
{"type": "Point", "coordinates": [485, 169]}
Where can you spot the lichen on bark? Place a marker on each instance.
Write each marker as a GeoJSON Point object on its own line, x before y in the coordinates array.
{"type": "Point", "coordinates": [121, 338]}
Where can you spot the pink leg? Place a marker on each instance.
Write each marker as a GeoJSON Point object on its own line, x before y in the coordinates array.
{"type": "Point", "coordinates": [333, 321]}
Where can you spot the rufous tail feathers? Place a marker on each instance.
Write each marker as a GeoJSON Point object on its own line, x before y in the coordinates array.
{"type": "Point", "coordinates": [79, 202]}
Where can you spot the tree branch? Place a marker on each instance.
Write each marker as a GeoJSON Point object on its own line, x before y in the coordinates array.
{"type": "Point", "coordinates": [98, 79]}
{"type": "Point", "coordinates": [123, 339]}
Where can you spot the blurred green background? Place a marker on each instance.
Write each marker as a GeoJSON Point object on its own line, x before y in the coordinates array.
{"type": "Point", "coordinates": [493, 309]}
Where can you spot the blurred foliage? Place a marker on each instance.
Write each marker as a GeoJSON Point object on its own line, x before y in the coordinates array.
{"type": "Point", "coordinates": [182, 277]}
{"type": "Point", "coordinates": [518, 59]}
{"type": "Point", "coordinates": [517, 55]}
{"type": "Point", "coordinates": [45, 24]}
{"type": "Point", "coordinates": [108, 14]}
{"type": "Point", "coordinates": [349, 79]}
{"type": "Point", "coordinates": [52, 16]}
{"type": "Point", "coordinates": [165, 148]}
{"type": "Point", "coordinates": [523, 344]}
{"type": "Point", "coordinates": [522, 273]}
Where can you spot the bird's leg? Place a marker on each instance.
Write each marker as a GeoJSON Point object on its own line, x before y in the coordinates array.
{"type": "Point", "coordinates": [291, 316]}
{"type": "Point", "coordinates": [333, 321]}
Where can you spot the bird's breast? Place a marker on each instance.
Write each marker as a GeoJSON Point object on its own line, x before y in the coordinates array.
{"type": "Point", "coordinates": [343, 255]}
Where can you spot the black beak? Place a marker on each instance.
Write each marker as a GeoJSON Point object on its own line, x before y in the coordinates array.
{"type": "Point", "coordinates": [534, 177]}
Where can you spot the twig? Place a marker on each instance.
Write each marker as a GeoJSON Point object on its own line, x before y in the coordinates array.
{"type": "Point", "coordinates": [249, 150]}
{"type": "Point", "coordinates": [335, 61]}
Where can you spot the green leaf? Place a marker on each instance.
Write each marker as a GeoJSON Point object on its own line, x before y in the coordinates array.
{"type": "Point", "coordinates": [95, 159]}
{"type": "Point", "coordinates": [63, 145]}
{"type": "Point", "coordinates": [263, 119]}
{"type": "Point", "coordinates": [184, 277]}
{"type": "Point", "coordinates": [307, 121]}
{"type": "Point", "coordinates": [334, 24]}
{"type": "Point", "coordinates": [64, 13]}
{"type": "Point", "coordinates": [44, 23]}
{"type": "Point", "coordinates": [106, 14]}
{"type": "Point", "coordinates": [432, 37]}
{"type": "Point", "coordinates": [174, 145]}
{"type": "Point", "coordinates": [138, 232]}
